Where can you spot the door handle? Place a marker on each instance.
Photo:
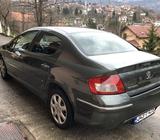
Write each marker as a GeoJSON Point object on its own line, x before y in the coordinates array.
{"type": "Point", "coordinates": [45, 66]}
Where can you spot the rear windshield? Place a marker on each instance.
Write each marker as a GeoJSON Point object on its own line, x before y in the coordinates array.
{"type": "Point", "coordinates": [99, 43]}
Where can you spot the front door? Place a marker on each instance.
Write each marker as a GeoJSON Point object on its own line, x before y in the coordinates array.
{"type": "Point", "coordinates": [16, 56]}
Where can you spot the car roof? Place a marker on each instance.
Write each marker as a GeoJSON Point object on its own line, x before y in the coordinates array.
{"type": "Point", "coordinates": [64, 30]}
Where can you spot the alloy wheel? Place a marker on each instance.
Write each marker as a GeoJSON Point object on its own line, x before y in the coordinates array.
{"type": "Point", "coordinates": [58, 109]}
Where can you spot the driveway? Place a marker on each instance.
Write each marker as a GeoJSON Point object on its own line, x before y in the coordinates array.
{"type": "Point", "coordinates": [17, 103]}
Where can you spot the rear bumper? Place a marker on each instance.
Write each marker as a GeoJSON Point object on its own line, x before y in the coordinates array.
{"type": "Point", "coordinates": [115, 115]}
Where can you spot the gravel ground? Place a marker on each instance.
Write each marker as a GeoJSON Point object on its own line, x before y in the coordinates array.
{"type": "Point", "coordinates": [17, 103]}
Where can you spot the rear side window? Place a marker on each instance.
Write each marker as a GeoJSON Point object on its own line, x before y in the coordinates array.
{"type": "Point", "coordinates": [48, 44]}
{"type": "Point", "coordinates": [47, 39]}
{"type": "Point", "coordinates": [99, 43]}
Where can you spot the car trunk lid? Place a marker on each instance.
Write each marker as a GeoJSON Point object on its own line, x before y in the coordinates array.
{"type": "Point", "coordinates": [139, 71]}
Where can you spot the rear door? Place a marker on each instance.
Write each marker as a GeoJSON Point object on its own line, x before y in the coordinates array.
{"type": "Point", "coordinates": [42, 58]}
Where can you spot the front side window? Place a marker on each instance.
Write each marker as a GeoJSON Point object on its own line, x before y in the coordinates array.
{"type": "Point", "coordinates": [100, 43]}
{"type": "Point", "coordinates": [23, 41]}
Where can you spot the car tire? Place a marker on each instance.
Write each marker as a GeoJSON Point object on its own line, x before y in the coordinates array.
{"type": "Point", "coordinates": [61, 110]}
{"type": "Point", "coordinates": [3, 70]}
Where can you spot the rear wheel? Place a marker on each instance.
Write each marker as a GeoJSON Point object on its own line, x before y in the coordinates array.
{"type": "Point", "coordinates": [3, 69]}
{"type": "Point", "coordinates": [61, 110]}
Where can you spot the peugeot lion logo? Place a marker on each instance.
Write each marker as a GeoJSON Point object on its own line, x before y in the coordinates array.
{"type": "Point", "coordinates": [148, 75]}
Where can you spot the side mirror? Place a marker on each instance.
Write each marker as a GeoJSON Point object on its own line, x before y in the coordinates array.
{"type": "Point", "coordinates": [18, 53]}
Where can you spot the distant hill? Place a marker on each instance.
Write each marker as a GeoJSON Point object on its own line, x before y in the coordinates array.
{"type": "Point", "coordinates": [150, 4]}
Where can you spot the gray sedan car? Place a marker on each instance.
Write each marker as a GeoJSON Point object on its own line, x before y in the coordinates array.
{"type": "Point", "coordinates": [84, 75]}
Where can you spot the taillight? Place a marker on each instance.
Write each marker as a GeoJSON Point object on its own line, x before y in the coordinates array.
{"type": "Point", "coordinates": [107, 85]}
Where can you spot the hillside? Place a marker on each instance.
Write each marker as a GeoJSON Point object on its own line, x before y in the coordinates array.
{"type": "Point", "coordinates": [149, 4]}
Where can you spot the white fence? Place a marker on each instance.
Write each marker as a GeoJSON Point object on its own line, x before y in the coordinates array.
{"type": "Point", "coordinates": [8, 29]}
{"type": "Point", "coordinates": [1, 27]}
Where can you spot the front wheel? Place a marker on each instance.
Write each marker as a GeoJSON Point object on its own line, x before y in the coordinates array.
{"type": "Point", "coordinates": [61, 110]}
{"type": "Point", "coordinates": [3, 69]}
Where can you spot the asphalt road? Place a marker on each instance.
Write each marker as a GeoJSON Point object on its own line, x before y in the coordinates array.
{"type": "Point", "coordinates": [17, 103]}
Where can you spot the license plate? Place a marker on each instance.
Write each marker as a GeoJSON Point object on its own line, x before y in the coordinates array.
{"type": "Point", "coordinates": [143, 116]}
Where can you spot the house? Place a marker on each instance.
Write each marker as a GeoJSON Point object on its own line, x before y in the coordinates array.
{"type": "Point", "coordinates": [137, 34]}
{"type": "Point", "coordinates": [78, 22]}
{"type": "Point", "coordinates": [21, 21]}
{"type": "Point", "coordinates": [157, 23]}
{"type": "Point", "coordinates": [122, 19]}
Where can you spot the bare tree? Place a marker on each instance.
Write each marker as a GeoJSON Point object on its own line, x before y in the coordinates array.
{"type": "Point", "coordinates": [4, 13]}
{"type": "Point", "coordinates": [51, 15]}
{"type": "Point", "coordinates": [42, 10]}
{"type": "Point", "coordinates": [39, 7]}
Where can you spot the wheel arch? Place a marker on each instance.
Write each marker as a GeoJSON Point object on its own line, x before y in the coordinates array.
{"type": "Point", "coordinates": [55, 86]}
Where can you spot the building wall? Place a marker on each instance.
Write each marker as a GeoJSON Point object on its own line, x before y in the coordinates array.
{"type": "Point", "coordinates": [131, 36]}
